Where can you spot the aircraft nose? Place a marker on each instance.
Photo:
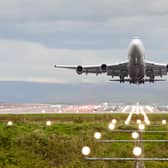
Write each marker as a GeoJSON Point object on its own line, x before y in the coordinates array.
{"type": "Point", "coordinates": [136, 42]}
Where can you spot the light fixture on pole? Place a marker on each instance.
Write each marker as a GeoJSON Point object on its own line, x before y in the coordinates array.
{"type": "Point", "coordinates": [10, 123]}
{"type": "Point", "coordinates": [85, 150]}
{"type": "Point", "coordinates": [138, 121]}
{"type": "Point", "coordinates": [135, 135]}
{"type": "Point", "coordinates": [141, 126]}
{"type": "Point", "coordinates": [114, 121]}
{"type": "Point", "coordinates": [48, 123]}
{"type": "Point", "coordinates": [97, 135]}
{"type": "Point", "coordinates": [164, 122]}
{"type": "Point", "coordinates": [111, 126]}
{"type": "Point", "coordinates": [137, 151]}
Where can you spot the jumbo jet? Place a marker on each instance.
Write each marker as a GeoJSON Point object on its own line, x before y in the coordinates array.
{"type": "Point", "coordinates": [136, 70]}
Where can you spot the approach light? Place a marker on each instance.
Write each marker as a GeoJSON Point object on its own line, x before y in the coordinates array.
{"type": "Point", "coordinates": [164, 122]}
{"type": "Point", "coordinates": [10, 123]}
{"type": "Point", "coordinates": [138, 121]}
{"type": "Point", "coordinates": [97, 135]}
{"type": "Point", "coordinates": [111, 126]}
{"type": "Point", "coordinates": [141, 126]}
{"type": "Point", "coordinates": [43, 111]}
{"type": "Point", "coordinates": [135, 135]}
{"type": "Point", "coordinates": [126, 122]}
{"type": "Point", "coordinates": [48, 123]}
{"type": "Point", "coordinates": [85, 150]}
{"type": "Point", "coordinates": [60, 111]}
{"type": "Point", "coordinates": [137, 151]}
{"type": "Point", "coordinates": [114, 121]}
{"type": "Point", "coordinates": [147, 122]}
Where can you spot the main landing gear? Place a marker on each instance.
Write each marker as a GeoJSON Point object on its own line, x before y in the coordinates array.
{"type": "Point", "coordinates": [122, 80]}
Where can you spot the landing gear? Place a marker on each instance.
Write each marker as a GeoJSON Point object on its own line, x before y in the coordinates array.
{"type": "Point", "coordinates": [122, 80]}
{"type": "Point", "coordinates": [142, 81]}
{"type": "Point", "coordinates": [152, 79]}
{"type": "Point", "coordinates": [131, 81]}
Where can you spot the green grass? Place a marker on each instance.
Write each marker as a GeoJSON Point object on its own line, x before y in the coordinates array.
{"type": "Point", "coordinates": [31, 144]}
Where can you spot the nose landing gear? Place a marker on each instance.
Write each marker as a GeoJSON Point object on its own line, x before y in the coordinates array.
{"type": "Point", "coordinates": [142, 81]}
{"type": "Point", "coordinates": [152, 79]}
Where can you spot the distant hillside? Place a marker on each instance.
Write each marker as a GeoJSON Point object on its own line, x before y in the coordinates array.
{"type": "Point", "coordinates": [83, 93]}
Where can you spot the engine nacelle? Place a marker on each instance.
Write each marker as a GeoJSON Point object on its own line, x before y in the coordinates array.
{"type": "Point", "coordinates": [79, 70]}
{"type": "Point", "coordinates": [167, 67]}
{"type": "Point", "coordinates": [103, 68]}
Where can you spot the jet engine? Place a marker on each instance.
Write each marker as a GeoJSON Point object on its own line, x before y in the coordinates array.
{"type": "Point", "coordinates": [79, 70]}
{"type": "Point", "coordinates": [103, 68]}
{"type": "Point", "coordinates": [167, 67]}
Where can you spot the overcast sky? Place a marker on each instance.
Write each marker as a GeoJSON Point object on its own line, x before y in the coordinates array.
{"type": "Point", "coordinates": [35, 35]}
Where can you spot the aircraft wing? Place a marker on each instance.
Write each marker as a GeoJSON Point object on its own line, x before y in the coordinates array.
{"type": "Point", "coordinates": [156, 69]}
{"type": "Point", "coordinates": [86, 69]}
{"type": "Point", "coordinates": [112, 70]}
{"type": "Point", "coordinates": [120, 69]}
{"type": "Point", "coordinates": [65, 67]}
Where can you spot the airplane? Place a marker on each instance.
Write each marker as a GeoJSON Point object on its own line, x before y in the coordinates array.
{"type": "Point", "coordinates": [135, 71]}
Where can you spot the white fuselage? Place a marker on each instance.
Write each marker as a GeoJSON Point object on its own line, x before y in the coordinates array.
{"type": "Point", "coordinates": [136, 64]}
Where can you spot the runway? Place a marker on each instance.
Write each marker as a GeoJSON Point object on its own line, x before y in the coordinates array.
{"type": "Point", "coordinates": [26, 108]}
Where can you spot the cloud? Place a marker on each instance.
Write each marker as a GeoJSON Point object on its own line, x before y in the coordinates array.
{"type": "Point", "coordinates": [113, 33]}
{"type": "Point", "coordinates": [27, 61]}
{"type": "Point", "coordinates": [34, 35]}
{"type": "Point", "coordinates": [95, 10]}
